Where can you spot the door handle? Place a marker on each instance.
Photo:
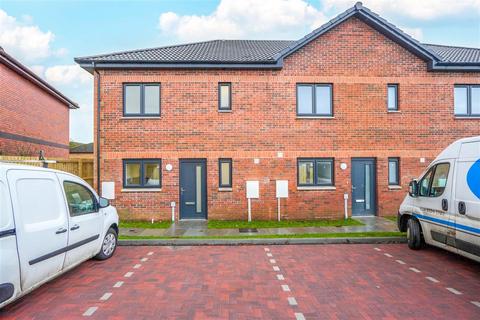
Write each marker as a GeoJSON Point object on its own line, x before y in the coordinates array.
{"type": "Point", "coordinates": [444, 204]}
{"type": "Point", "coordinates": [61, 230]}
{"type": "Point", "coordinates": [75, 227]}
{"type": "Point", "coordinates": [181, 190]}
{"type": "Point", "coordinates": [462, 208]}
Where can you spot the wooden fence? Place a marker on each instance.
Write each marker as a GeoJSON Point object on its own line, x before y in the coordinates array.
{"type": "Point", "coordinates": [80, 167]}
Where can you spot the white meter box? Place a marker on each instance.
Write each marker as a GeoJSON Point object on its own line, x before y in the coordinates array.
{"type": "Point", "coordinates": [253, 190]}
{"type": "Point", "coordinates": [282, 188]}
{"type": "Point", "coordinates": [108, 190]}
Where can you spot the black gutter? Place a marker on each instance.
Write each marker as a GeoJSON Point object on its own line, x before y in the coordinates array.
{"type": "Point", "coordinates": [98, 129]}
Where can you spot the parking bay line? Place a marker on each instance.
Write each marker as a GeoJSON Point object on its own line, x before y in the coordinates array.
{"type": "Point", "coordinates": [276, 268]}
{"type": "Point", "coordinates": [285, 287]}
{"type": "Point", "coordinates": [432, 279]}
{"type": "Point", "coordinates": [273, 261]}
{"type": "Point", "coordinates": [128, 274]}
{"type": "Point", "coordinates": [269, 255]}
{"type": "Point", "coordinates": [138, 265]}
{"type": "Point", "coordinates": [292, 301]}
{"type": "Point", "coordinates": [144, 259]}
{"type": "Point", "coordinates": [476, 303]}
{"type": "Point", "coordinates": [150, 253]}
{"type": "Point", "coordinates": [118, 284]}
{"type": "Point", "coordinates": [400, 261]}
{"type": "Point", "coordinates": [299, 316]}
{"type": "Point", "coordinates": [415, 270]}
{"type": "Point", "coordinates": [106, 296]}
{"type": "Point", "coordinates": [280, 277]}
{"type": "Point", "coordinates": [388, 255]}
{"type": "Point", "coordinates": [454, 291]}
{"type": "Point", "coordinates": [90, 311]}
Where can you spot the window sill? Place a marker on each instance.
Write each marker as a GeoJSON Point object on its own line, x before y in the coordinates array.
{"type": "Point", "coordinates": [394, 111]}
{"type": "Point", "coordinates": [141, 189]}
{"type": "Point", "coordinates": [140, 117]}
{"type": "Point", "coordinates": [225, 189]}
{"type": "Point", "coordinates": [315, 117]}
{"type": "Point", "coordinates": [317, 188]}
{"type": "Point", "coordinates": [225, 111]}
{"type": "Point", "coordinates": [467, 117]}
{"type": "Point", "coordinates": [394, 187]}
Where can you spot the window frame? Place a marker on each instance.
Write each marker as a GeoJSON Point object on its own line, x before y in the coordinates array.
{"type": "Point", "coordinates": [95, 200]}
{"type": "Point", "coordinates": [314, 100]}
{"type": "Point", "coordinates": [469, 100]}
{"type": "Point", "coordinates": [397, 100]}
{"type": "Point", "coordinates": [230, 162]}
{"type": "Point", "coordinates": [397, 161]}
{"type": "Point", "coordinates": [220, 85]}
{"type": "Point", "coordinates": [142, 163]}
{"type": "Point", "coordinates": [315, 172]}
{"type": "Point", "coordinates": [433, 169]}
{"type": "Point", "coordinates": [142, 112]}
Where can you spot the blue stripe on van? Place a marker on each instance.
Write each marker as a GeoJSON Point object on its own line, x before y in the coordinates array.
{"type": "Point", "coordinates": [448, 223]}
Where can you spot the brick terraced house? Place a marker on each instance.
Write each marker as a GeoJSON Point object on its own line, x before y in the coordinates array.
{"type": "Point", "coordinates": [34, 115]}
{"type": "Point", "coordinates": [356, 107]}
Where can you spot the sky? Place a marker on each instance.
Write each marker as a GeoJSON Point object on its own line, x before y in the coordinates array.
{"type": "Point", "coordinates": [47, 35]}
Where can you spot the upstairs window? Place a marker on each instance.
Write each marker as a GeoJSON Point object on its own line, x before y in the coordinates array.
{"type": "Point", "coordinates": [392, 97]}
{"type": "Point", "coordinates": [314, 100]}
{"type": "Point", "coordinates": [142, 173]}
{"type": "Point", "coordinates": [315, 172]}
{"type": "Point", "coordinates": [225, 173]}
{"type": "Point", "coordinates": [467, 100]}
{"type": "Point", "coordinates": [224, 96]}
{"type": "Point", "coordinates": [141, 99]}
{"type": "Point", "coordinates": [393, 171]}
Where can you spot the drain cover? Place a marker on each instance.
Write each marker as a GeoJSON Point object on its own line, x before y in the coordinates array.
{"type": "Point", "coordinates": [247, 230]}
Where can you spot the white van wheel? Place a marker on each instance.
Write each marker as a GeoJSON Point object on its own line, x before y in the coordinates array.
{"type": "Point", "coordinates": [109, 244]}
{"type": "Point", "coordinates": [414, 234]}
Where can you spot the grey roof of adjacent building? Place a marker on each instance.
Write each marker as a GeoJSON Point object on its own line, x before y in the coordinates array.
{"type": "Point", "coordinates": [83, 148]}
{"type": "Point", "coordinates": [270, 53]}
{"type": "Point", "coordinates": [455, 54]}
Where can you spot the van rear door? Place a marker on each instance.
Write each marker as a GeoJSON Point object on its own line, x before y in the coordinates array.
{"type": "Point", "coordinates": [41, 224]}
{"type": "Point", "coordinates": [467, 199]}
{"type": "Point", "coordinates": [9, 268]}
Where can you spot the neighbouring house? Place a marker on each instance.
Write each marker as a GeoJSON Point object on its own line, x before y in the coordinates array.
{"type": "Point", "coordinates": [357, 108]}
{"type": "Point", "coordinates": [34, 115]}
{"type": "Point", "coordinates": [82, 151]}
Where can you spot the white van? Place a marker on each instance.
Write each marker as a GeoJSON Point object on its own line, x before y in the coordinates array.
{"type": "Point", "coordinates": [50, 221]}
{"type": "Point", "coordinates": [443, 205]}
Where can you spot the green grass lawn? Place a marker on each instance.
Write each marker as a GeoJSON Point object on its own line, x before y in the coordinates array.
{"type": "Point", "coordinates": [284, 236]}
{"type": "Point", "coordinates": [235, 224]}
{"type": "Point", "coordinates": [391, 218]}
{"type": "Point", "coordinates": [145, 224]}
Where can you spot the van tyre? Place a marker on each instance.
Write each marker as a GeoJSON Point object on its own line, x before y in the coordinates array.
{"type": "Point", "coordinates": [414, 234]}
{"type": "Point", "coordinates": [109, 244]}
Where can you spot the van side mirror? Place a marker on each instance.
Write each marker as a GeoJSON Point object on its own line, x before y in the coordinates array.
{"type": "Point", "coordinates": [103, 203]}
{"type": "Point", "coordinates": [413, 188]}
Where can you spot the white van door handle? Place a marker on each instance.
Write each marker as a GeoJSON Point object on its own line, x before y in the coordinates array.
{"type": "Point", "coordinates": [75, 227]}
{"type": "Point", "coordinates": [61, 230]}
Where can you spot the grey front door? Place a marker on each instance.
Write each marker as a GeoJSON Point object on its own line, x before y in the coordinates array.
{"type": "Point", "coordinates": [193, 189]}
{"type": "Point", "coordinates": [363, 187]}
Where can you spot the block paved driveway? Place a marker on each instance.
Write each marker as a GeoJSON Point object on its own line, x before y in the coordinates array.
{"type": "Point", "coordinates": [262, 282]}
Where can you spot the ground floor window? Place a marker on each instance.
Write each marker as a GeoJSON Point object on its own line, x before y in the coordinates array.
{"type": "Point", "coordinates": [142, 173]}
{"type": "Point", "coordinates": [225, 172]}
{"type": "Point", "coordinates": [393, 171]}
{"type": "Point", "coordinates": [315, 172]}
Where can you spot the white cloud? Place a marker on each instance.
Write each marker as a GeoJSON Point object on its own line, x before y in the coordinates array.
{"type": "Point", "coordinates": [416, 33]}
{"type": "Point", "coordinates": [415, 9]}
{"type": "Point", "coordinates": [253, 19]}
{"type": "Point", "coordinates": [71, 75]}
{"type": "Point", "coordinates": [25, 41]}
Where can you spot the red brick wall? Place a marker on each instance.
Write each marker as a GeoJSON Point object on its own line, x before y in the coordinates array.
{"type": "Point", "coordinates": [359, 62]}
{"type": "Point", "coordinates": [29, 111]}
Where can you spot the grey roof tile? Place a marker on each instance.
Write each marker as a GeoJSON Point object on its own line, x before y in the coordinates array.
{"type": "Point", "coordinates": [455, 54]}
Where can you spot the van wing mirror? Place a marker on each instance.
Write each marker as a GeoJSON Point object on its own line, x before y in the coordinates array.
{"type": "Point", "coordinates": [413, 188]}
{"type": "Point", "coordinates": [103, 202]}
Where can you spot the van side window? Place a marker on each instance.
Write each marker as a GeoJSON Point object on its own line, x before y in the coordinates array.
{"type": "Point", "coordinates": [439, 179]}
{"type": "Point", "coordinates": [425, 183]}
{"type": "Point", "coordinates": [80, 199]}
{"type": "Point", "coordinates": [434, 181]}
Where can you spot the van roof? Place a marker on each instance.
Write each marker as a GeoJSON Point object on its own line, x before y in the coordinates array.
{"type": "Point", "coordinates": [5, 166]}
{"type": "Point", "coordinates": [453, 150]}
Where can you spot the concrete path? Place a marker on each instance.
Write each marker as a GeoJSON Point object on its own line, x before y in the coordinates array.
{"type": "Point", "coordinates": [199, 228]}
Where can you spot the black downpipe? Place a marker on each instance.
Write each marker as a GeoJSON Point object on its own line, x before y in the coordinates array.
{"type": "Point", "coordinates": [98, 130]}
